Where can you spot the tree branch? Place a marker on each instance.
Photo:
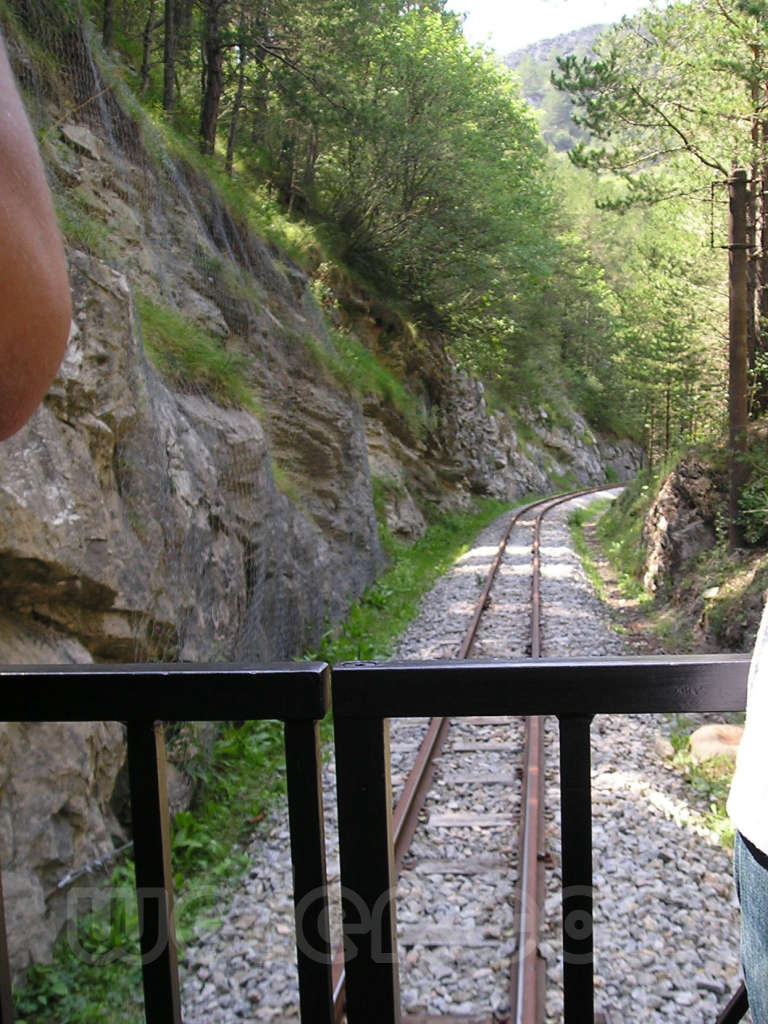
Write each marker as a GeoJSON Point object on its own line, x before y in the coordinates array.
{"type": "Point", "coordinates": [715, 165]}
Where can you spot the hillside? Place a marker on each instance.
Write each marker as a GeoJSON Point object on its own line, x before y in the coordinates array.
{"type": "Point", "coordinates": [543, 51]}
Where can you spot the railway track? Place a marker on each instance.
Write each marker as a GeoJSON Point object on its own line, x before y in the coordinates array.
{"type": "Point", "coordinates": [662, 880]}
{"type": "Point", "coordinates": [471, 806]}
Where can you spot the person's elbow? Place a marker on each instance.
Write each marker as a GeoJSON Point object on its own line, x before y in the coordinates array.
{"type": "Point", "coordinates": [34, 345]}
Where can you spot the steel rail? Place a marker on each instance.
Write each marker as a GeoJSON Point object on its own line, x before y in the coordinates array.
{"type": "Point", "coordinates": [528, 975]}
{"type": "Point", "coordinates": [406, 813]}
{"type": "Point", "coordinates": [405, 816]}
{"type": "Point", "coordinates": [527, 987]}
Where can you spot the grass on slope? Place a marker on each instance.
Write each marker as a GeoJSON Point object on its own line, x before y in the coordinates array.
{"type": "Point", "coordinates": [388, 606]}
{"type": "Point", "coordinates": [191, 359]}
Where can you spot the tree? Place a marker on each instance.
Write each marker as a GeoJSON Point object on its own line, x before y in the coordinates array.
{"type": "Point", "coordinates": [675, 96]}
{"type": "Point", "coordinates": [671, 93]}
{"type": "Point", "coordinates": [169, 56]}
{"type": "Point", "coordinates": [435, 167]}
{"type": "Point", "coordinates": [638, 307]}
{"type": "Point", "coordinates": [214, 44]}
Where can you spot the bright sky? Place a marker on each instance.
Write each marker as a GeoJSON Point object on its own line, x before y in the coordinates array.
{"type": "Point", "coordinates": [511, 24]}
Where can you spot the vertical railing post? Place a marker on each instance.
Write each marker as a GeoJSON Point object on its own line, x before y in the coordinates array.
{"type": "Point", "coordinates": [737, 1007]}
{"type": "Point", "coordinates": [367, 870]}
{"type": "Point", "coordinates": [154, 875]}
{"type": "Point", "coordinates": [310, 892]}
{"type": "Point", "coordinates": [6, 984]}
{"type": "Point", "coordinates": [576, 831]}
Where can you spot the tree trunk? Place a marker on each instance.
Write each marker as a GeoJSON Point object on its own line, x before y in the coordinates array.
{"type": "Point", "coordinates": [737, 348]}
{"type": "Point", "coordinates": [169, 56]}
{"type": "Point", "coordinates": [752, 215]}
{"type": "Point", "coordinates": [757, 342]}
{"type": "Point", "coordinates": [667, 416]}
{"type": "Point", "coordinates": [236, 106]}
{"type": "Point", "coordinates": [759, 365]}
{"type": "Point", "coordinates": [213, 63]}
{"type": "Point", "coordinates": [108, 24]}
{"type": "Point", "coordinates": [146, 48]}
{"type": "Point", "coordinates": [310, 163]}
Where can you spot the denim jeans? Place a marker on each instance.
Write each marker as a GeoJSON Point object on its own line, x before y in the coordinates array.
{"type": "Point", "coordinates": [751, 873]}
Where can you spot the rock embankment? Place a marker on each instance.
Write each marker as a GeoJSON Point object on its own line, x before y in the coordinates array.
{"type": "Point", "coordinates": [682, 521]}
{"type": "Point", "coordinates": [715, 596]}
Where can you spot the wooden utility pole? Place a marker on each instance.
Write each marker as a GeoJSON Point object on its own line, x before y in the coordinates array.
{"type": "Point", "coordinates": [737, 348]}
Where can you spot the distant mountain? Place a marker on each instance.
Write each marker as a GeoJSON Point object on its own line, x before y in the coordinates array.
{"type": "Point", "coordinates": [580, 40]}
{"type": "Point", "coordinates": [534, 65]}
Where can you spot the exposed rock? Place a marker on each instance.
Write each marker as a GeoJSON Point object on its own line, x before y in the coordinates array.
{"type": "Point", "coordinates": [54, 807]}
{"type": "Point", "coordinates": [662, 745]}
{"type": "Point", "coordinates": [619, 458]}
{"type": "Point", "coordinates": [471, 451]}
{"type": "Point", "coordinates": [83, 140]}
{"type": "Point", "coordinates": [716, 739]}
{"type": "Point", "coordinates": [147, 524]}
{"type": "Point", "coordinates": [681, 522]}
{"type": "Point", "coordinates": [24, 642]}
{"type": "Point", "coordinates": [55, 785]}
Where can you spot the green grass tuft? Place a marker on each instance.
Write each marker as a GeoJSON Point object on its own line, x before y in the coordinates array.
{"type": "Point", "coordinates": [79, 226]}
{"type": "Point", "coordinates": [192, 360]}
{"type": "Point", "coordinates": [349, 362]}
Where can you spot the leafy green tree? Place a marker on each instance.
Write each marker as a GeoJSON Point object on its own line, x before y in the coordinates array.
{"type": "Point", "coordinates": [673, 97]}
{"type": "Point", "coordinates": [437, 165]}
{"type": "Point", "coordinates": [639, 306]}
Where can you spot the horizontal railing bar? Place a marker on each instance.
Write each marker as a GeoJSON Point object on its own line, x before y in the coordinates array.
{"type": "Point", "coordinates": [587, 686]}
{"type": "Point", "coordinates": [202, 693]}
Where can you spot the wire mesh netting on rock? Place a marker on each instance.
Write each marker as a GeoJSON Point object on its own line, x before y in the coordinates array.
{"type": "Point", "coordinates": [194, 488]}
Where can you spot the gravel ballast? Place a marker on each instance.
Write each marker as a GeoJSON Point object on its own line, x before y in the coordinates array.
{"type": "Point", "coordinates": [666, 919]}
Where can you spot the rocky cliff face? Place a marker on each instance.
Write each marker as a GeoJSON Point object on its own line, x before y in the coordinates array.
{"type": "Point", "coordinates": [471, 450]}
{"type": "Point", "coordinates": [681, 523]}
{"type": "Point", "coordinates": [141, 524]}
{"type": "Point", "coordinates": [719, 595]}
{"type": "Point", "coordinates": [143, 520]}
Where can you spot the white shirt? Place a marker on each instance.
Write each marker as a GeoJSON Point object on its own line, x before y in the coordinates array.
{"type": "Point", "coordinates": [748, 799]}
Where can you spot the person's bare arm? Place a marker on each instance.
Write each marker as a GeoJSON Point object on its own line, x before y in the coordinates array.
{"type": "Point", "coordinates": [35, 310]}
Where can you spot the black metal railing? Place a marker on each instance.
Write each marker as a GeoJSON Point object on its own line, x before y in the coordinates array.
{"type": "Point", "coordinates": [144, 696]}
{"type": "Point", "coordinates": [365, 696]}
